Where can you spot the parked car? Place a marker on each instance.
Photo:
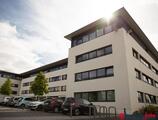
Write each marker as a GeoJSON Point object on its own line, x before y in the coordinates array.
{"type": "Point", "coordinates": [13, 101]}
{"type": "Point", "coordinates": [36, 105]}
{"type": "Point", "coordinates": [4, 100]}
{"type": "Point", "coordinates": [23, 102]}
{"type": "Point", "coordinates": [53, 104]}
{"type": "Point", "coordinates": [79, 106]}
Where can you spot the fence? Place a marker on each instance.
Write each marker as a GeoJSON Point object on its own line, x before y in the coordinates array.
{"type": "Point", "coordinates": [100, 112]}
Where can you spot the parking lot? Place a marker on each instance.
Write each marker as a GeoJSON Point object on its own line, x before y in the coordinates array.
{"type": "Point", "coordinates": [7, 113]}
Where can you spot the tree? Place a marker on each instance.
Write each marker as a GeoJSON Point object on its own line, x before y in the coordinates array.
{"type": "Point", "coordinates": [39, 87]}
{"type": "Point", "coordinates": [6, 87]}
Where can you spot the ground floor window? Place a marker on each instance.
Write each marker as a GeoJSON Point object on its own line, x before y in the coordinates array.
{"type": "Point", "coordinates": [97, 96]}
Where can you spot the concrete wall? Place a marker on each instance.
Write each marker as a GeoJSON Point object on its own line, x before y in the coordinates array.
{"type": "Point", "coordinates": [119, 82]}
{"type": "Point", "coordinates": [132, 63]}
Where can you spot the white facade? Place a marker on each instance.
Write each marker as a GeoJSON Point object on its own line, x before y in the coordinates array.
{"type": "Point", "coordinates": [110, 64]}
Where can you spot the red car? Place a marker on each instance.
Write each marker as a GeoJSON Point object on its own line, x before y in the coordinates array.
{"type": "Point", "coordinates": [53, 104]}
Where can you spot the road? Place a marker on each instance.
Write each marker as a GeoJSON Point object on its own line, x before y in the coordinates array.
{"type": "Point", "coordinates": [7, 113]}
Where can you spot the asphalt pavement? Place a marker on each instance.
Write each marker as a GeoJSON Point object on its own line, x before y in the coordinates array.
{"type": "Point", "coordinates": [7, 113]}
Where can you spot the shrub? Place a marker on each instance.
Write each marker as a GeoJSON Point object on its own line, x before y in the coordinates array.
{"type": "Point", "coordinates": [147, 109]}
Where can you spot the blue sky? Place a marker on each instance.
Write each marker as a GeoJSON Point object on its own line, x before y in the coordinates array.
{"type": "Point", "coordinates": [32, 31]}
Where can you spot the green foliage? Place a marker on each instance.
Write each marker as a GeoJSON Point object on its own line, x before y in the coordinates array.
{"type": "Point", "coordinates": [39, 86]}
{"type": "Point", "coordinates": [6, 87]}
{"type": "Point", "coordinates": [147, 109]}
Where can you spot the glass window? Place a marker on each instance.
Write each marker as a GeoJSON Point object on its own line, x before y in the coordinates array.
{"type": "Point", "coordinates": [79, 41]}
{"type": "Point", "coordinates": [78, 77]}
{"type": "Point", "coordinates": [85, 57]}
{"type": "Point", "coordinates": [135, 53]}
{"type": "Point", "coordinates": [79, 58]}
{"type": "Point", "coordinates": [108, 29]}
{"type": "Point", "coordinates": [92, 54]}
{"type": "Point", "coordinates": [144, 77]}
{"type": "Point", "coordinates": [100, 32]}
{"type": "Point", "coordinates": [156, 84]}
{"type": "Point", "coordinates": [92, 74]}
{"type": "Point", "coordinates": [64, 77]}
{"type": "Point", "coordinates": [85, 38]}
{"type": "Point", "coordinates": [138, 75]}
{"type": "Point", "coordinates": [85, 96]}
{"type": "Point", "coordinates": [147, 98]}
{"type": "Point", "coordinates": [110, 95]}
{"type": "Point", "coordinates": [100, 52]}
{"type": "Point", "coordinates": [140, 97]}
{"type": "Point", "coordinates": [101, 96]}
{"type": "Point", "coordinates": [77, 95]}
{"type": "Point", "coordinates": [92, 96]}
{"type": "Point", "coordinates": [108, 50]}
{"type": "Point", "coordinates": [74, 43]}
{"type": "Point", "coordinates": [85, 75]}
{"type": "Point", "coordinates": [109, 71]}
{"type": "Point", "coordinates": [92, 35]}
{"type": "Point", "coordinates": [101, 72]}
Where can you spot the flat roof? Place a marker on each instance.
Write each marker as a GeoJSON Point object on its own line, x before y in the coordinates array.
{"type": "Point", "coordinates": [131, 23]}
{"type": "Point", "coordinates": [45, 67]}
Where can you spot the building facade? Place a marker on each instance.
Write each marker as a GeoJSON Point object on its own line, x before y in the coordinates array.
{"type": "Point", "coordinates": [110, 63]}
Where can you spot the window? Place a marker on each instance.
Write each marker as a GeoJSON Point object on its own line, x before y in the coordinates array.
{"type": "Point", "coordinates": [63, 88]}
{"type": "Point", "coordinates": [156, 84]}
{"type": "Point", "coordinates": [100, 52]}
{"type": "Point", "coordinates": [78, 77]}
{"type": "Point", "coordinates": [101, 72]}
{"type": "Point", "coordinates": [92, 74]}
{"type": "Point", "coordinates": [100, 32]}
{"type": "Point", "coordinates": [147, 98]}
{"type": "Point", "coordinates": [92, 54]}
{"type": "Point", "coordinates": [144, 78]}
{"type": "Point", "coordinates": [97, 96]}
{"type": "Point", "coordinates": [64, 77]}
{"type": "Point", "coordinates": [85, 76]}
{"type": "Point", "coordinates": [79, 41]}
{"type": "Point", "coordinates": [92, 96]}
{"type": "Point", "coordinates": [109, 71]}
{"type": "Point", "coordinates": [140, 97]}
{"type": "Point", "coordinates": [110, 95]}
{"type": "Point", "coordinates": [101, 96]}
{"type": "Point", "coordinates": [154, 70]}
{"type": "Point", "coordinates": [26, 84]}
{"type": "Point", "coordinates": [135, 53]}
{"type": "Point", "coordinates": [85, 38]}
{"type": "Point", "coordinates": [84, 57]}
{"type": "Point", "coordinates": [108, 29]}
{"type": "Point", "coordinates": [95, 53]}
{"type": "Point", "coordinates": [15, 85]}
{"type": "Point", "coordinates": [14, 92]}
{"type": "Point", "coordinates": [108, 49]}
{"type": "Point", "coordinates": [84, 96]}
{"type": "Point", "coordinates": [138, 74]}
{"type": "Point", "coordinates": [92, 35]}
{"type": "Point", "coordinates": [144, 62]}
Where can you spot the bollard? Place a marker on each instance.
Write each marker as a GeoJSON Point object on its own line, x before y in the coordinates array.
{"type": "Point", "coordinates": [70, 110]}
{"type": "Point", "coordinates": [124, 113]}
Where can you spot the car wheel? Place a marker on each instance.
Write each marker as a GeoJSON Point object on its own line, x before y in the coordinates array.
{"type": "Point", "coordinates": [22, 106]}
{"type": "Point", "coordinates": [77, 112]}
{"type": "Point", "coordinates": [40, 107]}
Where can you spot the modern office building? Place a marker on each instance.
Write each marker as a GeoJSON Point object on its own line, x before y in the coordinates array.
{"type": "Point", "coordinates": [110, 63]}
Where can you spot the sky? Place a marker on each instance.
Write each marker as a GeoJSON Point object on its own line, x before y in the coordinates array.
{"type": "Point", "coordinates": [32, 31]}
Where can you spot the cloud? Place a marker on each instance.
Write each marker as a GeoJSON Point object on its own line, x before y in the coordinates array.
{"type": "Point", "coordinates": [14, 52]}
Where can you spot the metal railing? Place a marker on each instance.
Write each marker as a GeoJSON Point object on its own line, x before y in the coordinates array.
{"type": "Point", "coordinates": [97, 112]}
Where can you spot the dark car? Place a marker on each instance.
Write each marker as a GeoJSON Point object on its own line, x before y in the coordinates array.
{"type": "Point", "coordinates": [53, 104]}
{"type": "Point", "coordinates": [79, 106]}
